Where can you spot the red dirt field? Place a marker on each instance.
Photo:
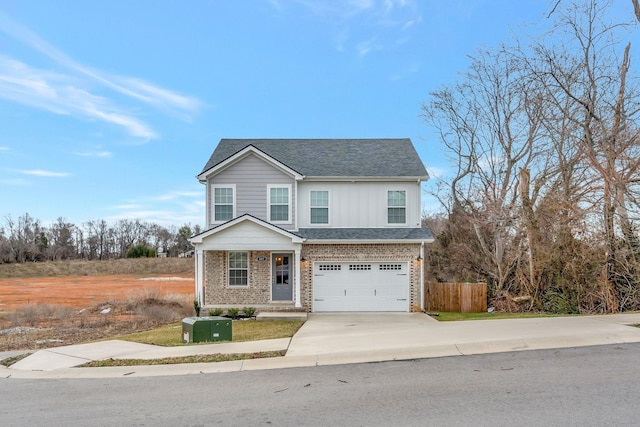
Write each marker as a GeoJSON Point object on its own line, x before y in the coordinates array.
{"type": "Point", "coordinates": [87, 291]}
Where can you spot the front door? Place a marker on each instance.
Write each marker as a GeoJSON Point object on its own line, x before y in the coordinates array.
{"type": "Point", "coordinates": [281, 278]}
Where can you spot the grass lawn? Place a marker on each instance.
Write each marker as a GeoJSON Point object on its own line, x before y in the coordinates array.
{"type": "Point", "coordinates": [242, 330]}
{"type": "Point", "coordinates": [448, 316]}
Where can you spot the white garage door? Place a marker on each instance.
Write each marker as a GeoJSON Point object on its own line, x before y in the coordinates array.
{"type": "Point", "coordinates": [360, 286]}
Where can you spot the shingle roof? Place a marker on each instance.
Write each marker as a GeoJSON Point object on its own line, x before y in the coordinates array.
{"type": "Point", "coordinates": [423, 233]}
{"type": "Point", "coordinates": [333, 157]}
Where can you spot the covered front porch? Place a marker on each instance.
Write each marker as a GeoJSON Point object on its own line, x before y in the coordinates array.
{"type": "Point", "coordinates": [248, 262]}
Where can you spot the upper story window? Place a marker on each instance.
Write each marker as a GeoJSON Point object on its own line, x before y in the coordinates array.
{"type": "Point", "coordinates": [279, 203]}
{"type": "Point", "coordinates": [238, 269]}
{"type": "Point", "coordinates": [319, 202]}
{"type": "Point", "coordinates": [397, 207]}
{"type": "Point", "coordinates": [223, 203]}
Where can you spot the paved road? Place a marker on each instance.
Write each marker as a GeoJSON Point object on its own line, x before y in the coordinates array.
{"type": "Point", "coordinates": [583, 386]}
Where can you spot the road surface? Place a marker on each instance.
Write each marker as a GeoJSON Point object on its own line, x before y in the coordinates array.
{"type": "Point", "coordinates": [583, 386]}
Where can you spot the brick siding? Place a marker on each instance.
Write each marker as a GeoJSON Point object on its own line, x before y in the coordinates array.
{"type": "Point", "coordinates": [217, 293]}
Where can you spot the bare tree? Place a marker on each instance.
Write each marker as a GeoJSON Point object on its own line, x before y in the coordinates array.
{"type": "Point", "coordinates": [489, 125]}
{"type": "Point", "coordinates": [586, 76]}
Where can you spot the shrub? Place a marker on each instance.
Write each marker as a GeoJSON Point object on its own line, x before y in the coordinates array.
{"type": "Point", "coordinates": [197, 307]}
{"type": "Point", "coordinates": [249, 311]}
{"type": "Point", "coordinates": [216, 312]}
{"type": "Point", "coordinates": [233, 313]}
{"type": "Point", "coordinates": [141, 251]}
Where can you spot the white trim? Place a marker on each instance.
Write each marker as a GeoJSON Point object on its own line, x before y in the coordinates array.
{"type": "Point", "coordinates": [212, 219]}
{"type": "Point", "coordinates": [199, 260]}
{"type": "Point", "coordinates": [320, 224]}
{"type": "Point", "coordinates": [296, 219]}
{"type": "Point", "coordinates": [289, 204]}
{"type": "Point", "coordinates": [395, 207]}
{"type": "Point", "coordinates": [298, 287]}
{"type": "Point", "coordinates": [240, 155]}
{"type": "Point", "coordinates": [229, 285]}
{"type": "Point", "coordinates": [367, 178]}
{"type": "Point", "coordinates": [363, 241]}
{"type": "Point", "coordinates": [246, 217]}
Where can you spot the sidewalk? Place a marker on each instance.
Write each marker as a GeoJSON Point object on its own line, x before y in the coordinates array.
{"type": "Point", "coordinates": [343, 338]}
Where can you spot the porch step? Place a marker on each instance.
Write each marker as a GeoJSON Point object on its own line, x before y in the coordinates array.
{"type": "Point", "coordinates": [282, 315]}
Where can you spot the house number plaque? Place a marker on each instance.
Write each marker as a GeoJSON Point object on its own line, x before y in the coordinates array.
{"type": "Point", "coordinates": [261, 258]}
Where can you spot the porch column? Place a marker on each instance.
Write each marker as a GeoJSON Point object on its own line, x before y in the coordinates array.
{"type": "Point", "coordinates": [199, 259]}
{"type": "Point", "coordinates": [297, 281]}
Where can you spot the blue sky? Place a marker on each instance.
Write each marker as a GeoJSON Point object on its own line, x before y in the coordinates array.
{"type": "Point", "coordinates": [108, 109]}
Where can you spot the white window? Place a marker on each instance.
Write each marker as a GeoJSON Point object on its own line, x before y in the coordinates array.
{"type": "Point", "coordinates": [319, 202]}
{"type": "Point", "coordinates": [238, 269]}
{"type": "Point", "coordinates": [397, 207]}
{"type": "Point", "coordinates": [279, 203]}
{"type": "Point", "coordinates": [223, 203]}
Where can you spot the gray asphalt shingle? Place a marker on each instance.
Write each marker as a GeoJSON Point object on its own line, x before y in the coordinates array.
{"type": "Point", "coordinates": [333, 157]}
{"type": "Point", "coordinates": [422, 233]}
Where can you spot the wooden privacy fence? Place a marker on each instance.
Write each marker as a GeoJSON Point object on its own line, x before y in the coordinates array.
{"type": "Point", "coordinates": [456, 297]}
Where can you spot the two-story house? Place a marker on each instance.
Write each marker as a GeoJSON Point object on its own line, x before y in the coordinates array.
{"type": "Point", "coordinates": [312, 225]}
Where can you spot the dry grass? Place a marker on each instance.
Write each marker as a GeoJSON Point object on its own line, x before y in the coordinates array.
{"type": "Point", "coordinates": [33, 314]}
{"type": "Point", "coordinates": [450, 316]}
{"type": "Point", "coordinates": [133, 266]}
{"type": "Point", "coordinates": [45, 325]}
{"type": "Point", "coordinates": [203, 358]}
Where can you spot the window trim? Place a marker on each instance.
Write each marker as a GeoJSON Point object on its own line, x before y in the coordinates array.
{"type": "Point", "coordinates": [289, 203]}
{"type": "Point", "coordinates": [397, 207]}
{"type": "Point", "coordinates": [213, 202]}
{"type": "Point", "coordinates": [311, 207]}
{"type": "Point", "coordinates": [229, 269]}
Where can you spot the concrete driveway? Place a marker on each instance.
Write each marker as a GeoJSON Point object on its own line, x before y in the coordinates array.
{"type": "Point", "coordinates": [336, 337]}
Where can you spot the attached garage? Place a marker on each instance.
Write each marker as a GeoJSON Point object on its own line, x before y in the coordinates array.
{"type": "Point", "coordinates": [360, 286]}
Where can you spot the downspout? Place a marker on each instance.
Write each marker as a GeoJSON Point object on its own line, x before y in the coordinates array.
{"type": "Point", "coordinates": [421, 265]}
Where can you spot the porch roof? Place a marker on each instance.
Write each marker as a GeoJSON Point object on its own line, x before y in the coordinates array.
{"type": "Point", "coordinates": [421, 234]}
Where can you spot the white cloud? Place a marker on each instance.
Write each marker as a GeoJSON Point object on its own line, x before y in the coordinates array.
{"type": "Point", "coordinates": [102, 154]}
{"type": "Point", "coordinates": [367, 46]}
{"type": "Point", "coordinates": [170, 208]}
{"type": "Point", "coordinates": [173, 195]}
{"type": "Point", "coordinates": [356, 23]}
{"type": "Point", "coordinates": [127, 207]}
{"type": "Point", "coordinates": [45, 173]}
{"type": "Point", "coordinates": [68, 92]}
{"type": "Point", "coordinates": [58, 94]}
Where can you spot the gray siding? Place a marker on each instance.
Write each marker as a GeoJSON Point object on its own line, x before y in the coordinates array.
{"type": "Point", "coordinates": [251, 175]}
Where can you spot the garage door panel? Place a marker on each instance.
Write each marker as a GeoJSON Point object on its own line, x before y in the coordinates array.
{"type": "Point", "coordinates": [361, 286]}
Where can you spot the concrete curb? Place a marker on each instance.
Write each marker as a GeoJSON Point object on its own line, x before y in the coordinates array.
{"type": "Point", "coordinates": [343, 339]}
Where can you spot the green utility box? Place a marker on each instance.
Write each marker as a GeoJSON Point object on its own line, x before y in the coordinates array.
{"type": "Point", "coordinates": [206, 329]}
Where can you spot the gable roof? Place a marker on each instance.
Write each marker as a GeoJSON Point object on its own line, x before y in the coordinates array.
{"type": "Point", "coordinates": [332, 157]}
{"type": "Point", "coordinates": [249, 149]}
{"type": "Point", "coordinates": [198, 238]}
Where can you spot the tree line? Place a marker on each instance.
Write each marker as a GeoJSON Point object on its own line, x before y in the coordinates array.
{"type": "Point", "coordinates": [26, 239]}
{"type": "Point", "coordinates": [543, 135]}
